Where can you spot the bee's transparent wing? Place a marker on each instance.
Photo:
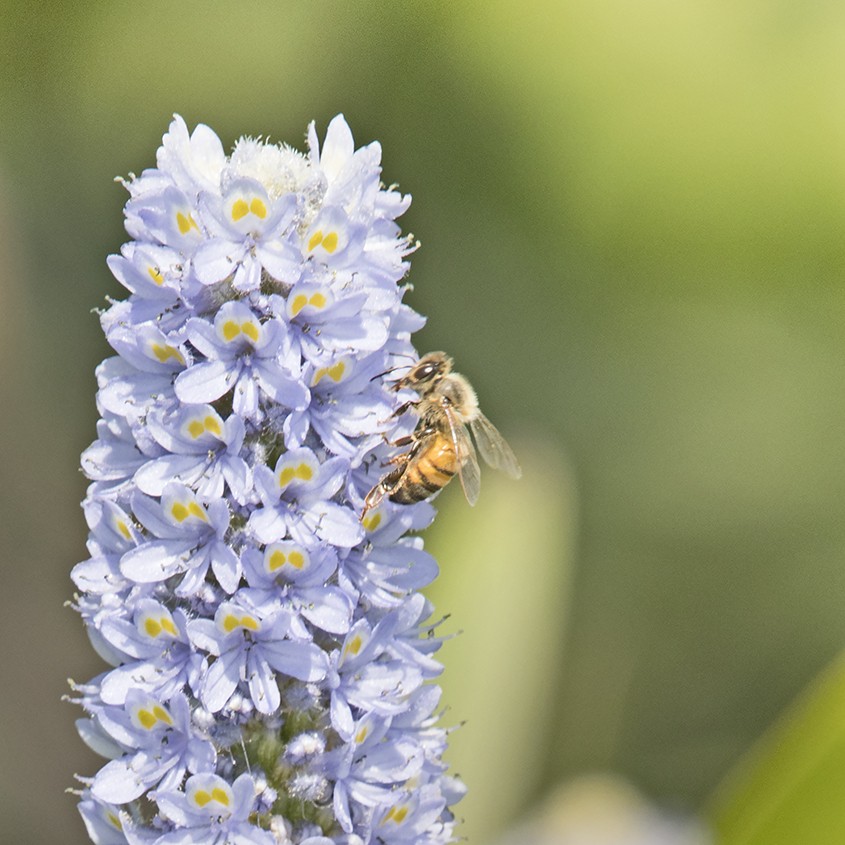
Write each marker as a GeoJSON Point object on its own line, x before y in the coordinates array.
{"type": "Point", "coordinates": [494, 448]}
{"type": "Point", "coordinates": [468, 469]}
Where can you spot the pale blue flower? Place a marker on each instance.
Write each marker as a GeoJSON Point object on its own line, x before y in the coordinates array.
{"type": "Point", "coordinates": [248, 228]}
{"type": "Point", "coordinates": [102, 821]}
{"type": "Point", "coordinates": [168, 216]}
{"type": "Point", "coordinates": [322, 320]}
{"type": "Point", "coordinates": [251, 646]}
{"type": "Point", "coordinates": [210, 811]}
{"type": "Point", "coordinates": [158, 656]}
{"type": "Point", "coordinates": [297, 501]}
{"type": "Point", "coordinates": [113, 458]}
{"type": "Point", "coordinates": [162, 746]}
{"type": "Point", "coordinates": [245, 355]}
{"type": "Point", "coordinates": [189, 538]}
{"type": "Point", "coordinates": [203, 452]}
{"type": "Point", "coordinates": [288, 572]}
{"type": "Point", "coordinates": [365, 676]}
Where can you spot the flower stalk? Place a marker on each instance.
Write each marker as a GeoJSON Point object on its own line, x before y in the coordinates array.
{"type": "Point", "coordinates": [270, 654]}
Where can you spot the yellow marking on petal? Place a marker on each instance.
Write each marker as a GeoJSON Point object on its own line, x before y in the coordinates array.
{"type": "Point", "coordinates": [354, 645]}
{"type": "Point", "coordinates": [156, 275]}
{"type": "Point", "coordinates": [396, 814]}
{"type": "Point", "coordinates": [304, 472]}
{"type": "Point", "coordinates": [317, 300]}
{"type": "Point", "coordinates": [231, 622]}
{"type": "Point", "coordinates": [361, 735]}
{"type": "Point", "coordinates": [113, 820]}
{"type": "Point", "coordinates": [220, 795]}
{"type": "Point", "coordinates": [147, 719]}
{"type": "Point", "coordinates": [196, 429]}
{"type": "Point", "coordinates": [185, 223]}
{"type": "Point", "coordinates": [162, 715]}
{"type": "Point", "coordinates": [316, 240]}
{"type": "Point", "coordinates": [123, 528]}
{"type": "Point", "coordinates": [165, 353]}
{"type": "Point", "coordinates": [286, 476]}
{"type": "Point", "coordinates": [201, 797]}
{"type": "Point", "coordinates": [152, 627]}
{"type": "Point", "coordinates": [258, 208]}
{"type": "Point", "coordinates": [181, 511]}
{"type": "Point", "coordinates": [250, 329]}
{"type": "Point", "coordinates": [231, 330]}
{"type": "Point", "coordinates": [330, 242]}
{"type": "Point", "coordinates": [335, 372]}
{"type": "Point", "coordinates": [239, 209]}
{"type": "Point", "coordinates": [372, 522]}
{"type": "Point", "coordinates": [276, 560]}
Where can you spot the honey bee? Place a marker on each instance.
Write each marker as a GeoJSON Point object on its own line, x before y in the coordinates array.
{"type": "Point", "coordinates": [440, 446]}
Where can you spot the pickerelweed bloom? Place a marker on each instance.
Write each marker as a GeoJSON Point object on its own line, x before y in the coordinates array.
{"type": "Point", "coordinates": [270, 655]}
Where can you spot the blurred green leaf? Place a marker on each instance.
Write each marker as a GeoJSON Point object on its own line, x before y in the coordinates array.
{"type": "Point", "coordinates": [505, 572]}
{"type": "Point", "coordinates": [789, 788]}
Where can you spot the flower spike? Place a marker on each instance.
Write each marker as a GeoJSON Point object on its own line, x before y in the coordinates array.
{"type": "Point", "coordinates": [270, 665]}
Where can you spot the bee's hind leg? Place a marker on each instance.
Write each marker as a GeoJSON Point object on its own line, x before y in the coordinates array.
{"type": "Point", "coordinates": [373, 498]}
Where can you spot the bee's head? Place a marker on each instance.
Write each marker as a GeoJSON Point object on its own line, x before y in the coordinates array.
{"type": "Point", "coordinates": [426, 372]}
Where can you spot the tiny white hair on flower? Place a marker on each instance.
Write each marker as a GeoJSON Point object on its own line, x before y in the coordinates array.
{"type": "Point", "coordinates": [270, 669]}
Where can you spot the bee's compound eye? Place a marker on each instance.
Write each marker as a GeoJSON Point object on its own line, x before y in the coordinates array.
{"type": "Point", "coordinates": [426, 371]}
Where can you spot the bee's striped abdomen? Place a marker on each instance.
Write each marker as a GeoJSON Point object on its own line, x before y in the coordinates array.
{"type": "Point", "coordinates": [427, 472]}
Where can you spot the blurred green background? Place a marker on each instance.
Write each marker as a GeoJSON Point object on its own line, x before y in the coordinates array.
{"type": "Point", "coordinates": [632, 220]}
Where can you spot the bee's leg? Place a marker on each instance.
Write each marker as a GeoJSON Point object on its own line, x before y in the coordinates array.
{"type": "Point", "coordinates": [405, 406]}
{"type": "Point", "coordinates": [413, 440]}
{"type": "Point", "coordinates": [385, 487]}
{"type": "Point", "coordinates": [373, 499]}
{"type": "Point", "coordinates": [407, 440]}
{"type": "Point", "coordinates": [400, 459]}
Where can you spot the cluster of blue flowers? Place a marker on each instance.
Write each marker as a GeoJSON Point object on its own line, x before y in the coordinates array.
{"type": "Point", "coordinates": [271, 655]}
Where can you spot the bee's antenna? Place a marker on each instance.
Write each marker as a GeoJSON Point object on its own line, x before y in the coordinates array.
{"type": "Point", "coordinates": [392, 369]}
{"type": "Point", "coordinates": [386, 372]}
